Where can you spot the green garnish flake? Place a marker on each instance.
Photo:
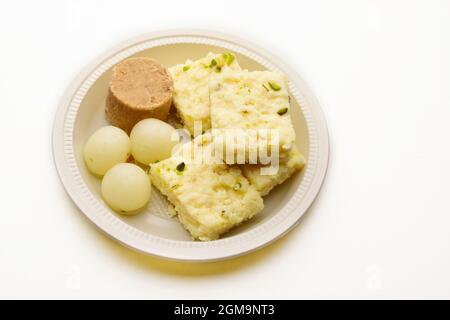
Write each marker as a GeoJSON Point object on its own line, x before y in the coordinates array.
{"type": "Point", "coordinates": [186, 68]}
{"type": "Point", "coordinates": [282, 111]}
{"type": "Point", "coordinates": [237, 186]}
{"type": "Point", "coordinates": [180, 167]}
{"type": "Point", "coordinates": [218, 69]}
{"type": "Point", "coordinates": [264, 86]}
{"type": "Point", "coordinates": [213, 63]}
{"type": "Point", "coordinates": [157, 161]}
{"type": "Point", "coordinates": [228, 57]}
{"type": "Point", "coordinates": [275, 86]}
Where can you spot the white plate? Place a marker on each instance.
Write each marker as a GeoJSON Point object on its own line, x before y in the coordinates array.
{"type": "Point", "coordinates": [81, 112]}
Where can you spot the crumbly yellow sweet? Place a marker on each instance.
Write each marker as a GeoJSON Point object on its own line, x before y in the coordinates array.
{"type": "Point", "coordinates": [253, 101]}
{"type": "Point", "coordinates": [209, 198]}
{"type": "Point", "coordinates": [190, 81]}
{"type": "Point", "coordinates": [265, 183]}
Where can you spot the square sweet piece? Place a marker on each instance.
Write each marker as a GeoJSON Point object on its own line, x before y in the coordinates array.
{"type": "Point", "coordinates": [210, 198]}
{"type": "Point", "coordinates": [253, 101]}
{"type": "Point", "coordinates": [265, 183]}
{"type": "Point", "coordinates": [190, 81]}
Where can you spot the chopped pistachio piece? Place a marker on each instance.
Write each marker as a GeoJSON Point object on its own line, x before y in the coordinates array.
{"type": "Point", "coordinates": [275, 86]}
{"type": "Point", "coordinates": [213, 63]}
{"type": "Point", "coordinates": [186, 68]}
{"type": "Point", "coordinates": [264, 86]}
{"type": "Point", "coordinates": [230, 58]}
{"type": "Point", "coordinates": [282, 111]}
{"type": "Point", "coordinates": [237, 186]}
{"type": "Point", "coordinates": [218, 69]}
{"type": "Point", "coordinates": [181, 166]}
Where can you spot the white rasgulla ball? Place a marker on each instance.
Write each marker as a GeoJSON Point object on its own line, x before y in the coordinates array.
{"type": "Point", "coordinates": [105, 148]}
{"type": "Point", "coordinates": [152, 140]}
{"type": "Point", "coordinates": [126, 188]}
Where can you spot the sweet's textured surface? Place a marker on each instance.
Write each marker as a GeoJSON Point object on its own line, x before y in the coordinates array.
{"type": "Point", "coordinates": [265, 183]}
{"type": "Point", "coordinates": [191, 94]}
{"type": "Point", "coordinates": [209, 198]}
{"type": "Point", "coordinates": [255, 100]}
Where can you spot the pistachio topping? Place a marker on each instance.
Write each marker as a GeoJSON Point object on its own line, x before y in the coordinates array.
{"type": "Point", "coordinates": [237, 186]}
{"type": "Point", "coordinates": [186, 68]}
{"type": "Point", "coordinates": [180, 167]}
{"type": "Point", "coordinates": [213, 63]}
{"type": "Point", "coordinates": [282, 111]}
{"type": "Point", "coordinates": [230, 59]}
{"type": "Point", "coordinates": [275, 86]}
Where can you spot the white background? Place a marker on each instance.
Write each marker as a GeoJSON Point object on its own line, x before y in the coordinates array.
{"type": "Point", "coordinates": [381, 225]}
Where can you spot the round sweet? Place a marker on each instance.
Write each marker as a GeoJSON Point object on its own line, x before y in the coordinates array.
{"type": "Point", "coordinates": [105, 148]}
{"type": "Point", "coordinates": [126, 188]}
{"type": "Point", "coordinates": [152, 140]}
{"type": "Point", "coordinates": [140, 88]}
